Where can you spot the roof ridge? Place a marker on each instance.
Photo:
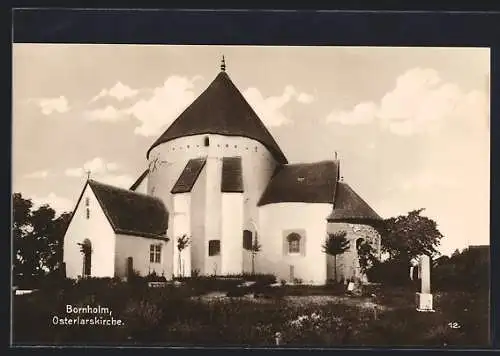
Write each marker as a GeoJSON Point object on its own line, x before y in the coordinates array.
{"type": "Point", "coordinates": [128, 191]}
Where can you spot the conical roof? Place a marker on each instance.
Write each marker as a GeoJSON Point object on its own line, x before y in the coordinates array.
{"type": "Point", "coordinates": [221, 109]}
{"type": "Point", "coordinates": [349, 206]}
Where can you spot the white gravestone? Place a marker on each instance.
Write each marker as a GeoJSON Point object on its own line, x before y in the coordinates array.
{"type": "Point", "coordinates": [424, 298]}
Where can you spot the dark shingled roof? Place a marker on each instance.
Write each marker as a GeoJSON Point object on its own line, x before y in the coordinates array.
{"type": "Point", "coordinates": [305, 182]}
{"type": "Point", "coordinates": [232, 179]}
{"type": "Point", "coordinates": [132, 213]}
{"type": "Point", "coordinates": [139, 180]}
{"type": "Point", "coordinates": [221, 109]}
{"type": "Point", "coordinates": [189, 175]}
{"type": "Point", "coordinates": [350, 206]}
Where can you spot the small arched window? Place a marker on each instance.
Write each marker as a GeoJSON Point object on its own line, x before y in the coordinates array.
{"type": "Point", "coordinates": [207, 141]}
{"type": "Point", "coordinates": [293, 243]}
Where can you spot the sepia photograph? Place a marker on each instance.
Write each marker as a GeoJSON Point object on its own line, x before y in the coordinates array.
{"type": "Point", "coordinates": [250, 196]}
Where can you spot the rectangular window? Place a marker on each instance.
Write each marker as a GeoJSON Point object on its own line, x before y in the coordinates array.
{"type": "Point", "coordinates": [155, 253]}
{"type": "Point", "coordinates": [294, 246]}
{"type": "Point", "coordinates": [87, 201]}
{"type": "Point", "coordinates": [87, 213]}
{"type": "Point", "coordinates": [214, 247]}
{"type": "Point", "coordinates": [247, 240]}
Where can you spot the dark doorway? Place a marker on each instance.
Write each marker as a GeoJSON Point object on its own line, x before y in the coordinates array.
{"type": "Point", "coordinates": [86, 250]}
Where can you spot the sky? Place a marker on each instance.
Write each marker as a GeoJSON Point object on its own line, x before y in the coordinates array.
{"type": "Point", "coordinates": [410, 125]}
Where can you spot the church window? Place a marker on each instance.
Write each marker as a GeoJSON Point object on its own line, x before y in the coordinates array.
{"type": "Point", "coordinates": [255, 148]}
{"type": "Point", "coordinates": [247, 239]}
{"type": "Point", "coordinates": [207, 141]}
{"type": "Point", "coordinates": [293, 243]}
{"type": "Point", "coordinates": [87, 201]}
{"type": "Point", "coordinates": [155, 253]}
{"type": "Point", "coordinates": [87, 213]}
{"type": "Point", "coordinates": [214, 247]}
{"type": "Point", "coordinates": [227, 145]}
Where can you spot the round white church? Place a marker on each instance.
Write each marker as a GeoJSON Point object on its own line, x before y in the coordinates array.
{"type": "Point", "coordinates": [218, 177]}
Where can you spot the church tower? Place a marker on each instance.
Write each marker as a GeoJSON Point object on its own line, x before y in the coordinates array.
{"type": "Point", "coordinates": [210, 167]}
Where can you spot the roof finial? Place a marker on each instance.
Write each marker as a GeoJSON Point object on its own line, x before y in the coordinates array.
{"type": "Point", "coordinates": [223, 64]}
{"type": "Point", "coordinates": [88, 174]}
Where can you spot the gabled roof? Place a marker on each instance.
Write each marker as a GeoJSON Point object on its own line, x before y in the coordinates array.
{"type": "Point", "coordinates": [221, 109]}
{"type": "Point", "coordinates": [189, 175]}
{"type": "Point", "coordinates": [232, 178]}
{"type": "Point", "coordinates": [304, 182]}
{"type": "Point", "coordinates": [318, 183]}
{"type": "Point", "coordinates": [349, 206]}
{"type": "Point", "coordinates": [131, 213]}
{"type": "Point", "coordinates": [139, 180]}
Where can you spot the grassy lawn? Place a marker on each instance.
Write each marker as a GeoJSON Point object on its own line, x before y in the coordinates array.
{"type": "Point", "coordinates": [305, 316]}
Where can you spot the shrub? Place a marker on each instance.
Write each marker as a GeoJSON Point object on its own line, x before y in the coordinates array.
{"type": "Point", "coordinates": [142, 318]}
{"type": "Point", "coordinates": [392, 272]}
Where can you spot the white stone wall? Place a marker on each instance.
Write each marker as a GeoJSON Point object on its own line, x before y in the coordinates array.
{"type": "Point", "coordinates": [138, 248]}
{"type": "Point", "coordinates": [258, 166]}
{"type": "Point", "coordinates": [348, 263]}
{"type": "Point", "coordinates": [232, 233]}
{"type": "Point", "coordinates": [198, 208]}
{"type": "Point", "coordinates": [213, 212]}
{"type": "Point", "coordinates": [181, 225]}
{"type": "Point", "coordinates": [277, 220]}
{"type": "Point", "coordinates": [100, 233]}
{"type": "Point", "coordinates": [143, 186]}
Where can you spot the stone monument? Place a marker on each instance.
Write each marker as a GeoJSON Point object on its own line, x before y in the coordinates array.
{"type": "Point", "coordinates": [424, 298]}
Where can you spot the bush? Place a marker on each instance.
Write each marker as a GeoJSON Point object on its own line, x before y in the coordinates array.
{"type": "Point", "coordinates": [465, 271]}
{"type": "Point", "coordinates": [392, 272]}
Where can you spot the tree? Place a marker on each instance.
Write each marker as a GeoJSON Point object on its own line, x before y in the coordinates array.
{"type": "Point", "coordinates": [38, 239]}
{"type": "Point", "coordinates": [255, 249]}
{"type": "Point", "coordinates": [182, 243]}
{"type": "Point", "coordinates": [367, 256]}
{"type": "Point", "coordinates": [408, 236]}
{"type": "Point", "coordinates": [336, 244]}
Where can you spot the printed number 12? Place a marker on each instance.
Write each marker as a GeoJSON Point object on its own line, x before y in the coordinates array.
{"type": "Point", "coordinates": [454, 325]}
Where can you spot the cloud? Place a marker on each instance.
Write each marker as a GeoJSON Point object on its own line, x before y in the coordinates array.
{"type": "Point", "coordinates": [420, 102]}
{"type": "Point", "coordinates": [59, 204]}
{"type": "Point", "coordinates": [102, 171]}
{"type": "Point", "coordinates": [164, 106]}
{"type": "Point", "coordinates": [269, 109]}
{"type": "Point", "coordinates": [50, 105]}
{"type": "Point", "coordinates": [112, 166]}
{"type": "Point", "coordinates": [362, 113]}
{"type": "Point", "coordinates": [37, 175]}
{"type": "Point", "coordinates": [119, 91]}
{"type": "Point", "coordinates": [109, 113]}
{"type": "Point", "coordinates": [96, 166]}
{"type": "Point", "coordinates": [120, 181]}
{"type": "Point", "coordinates": [305, 98]}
